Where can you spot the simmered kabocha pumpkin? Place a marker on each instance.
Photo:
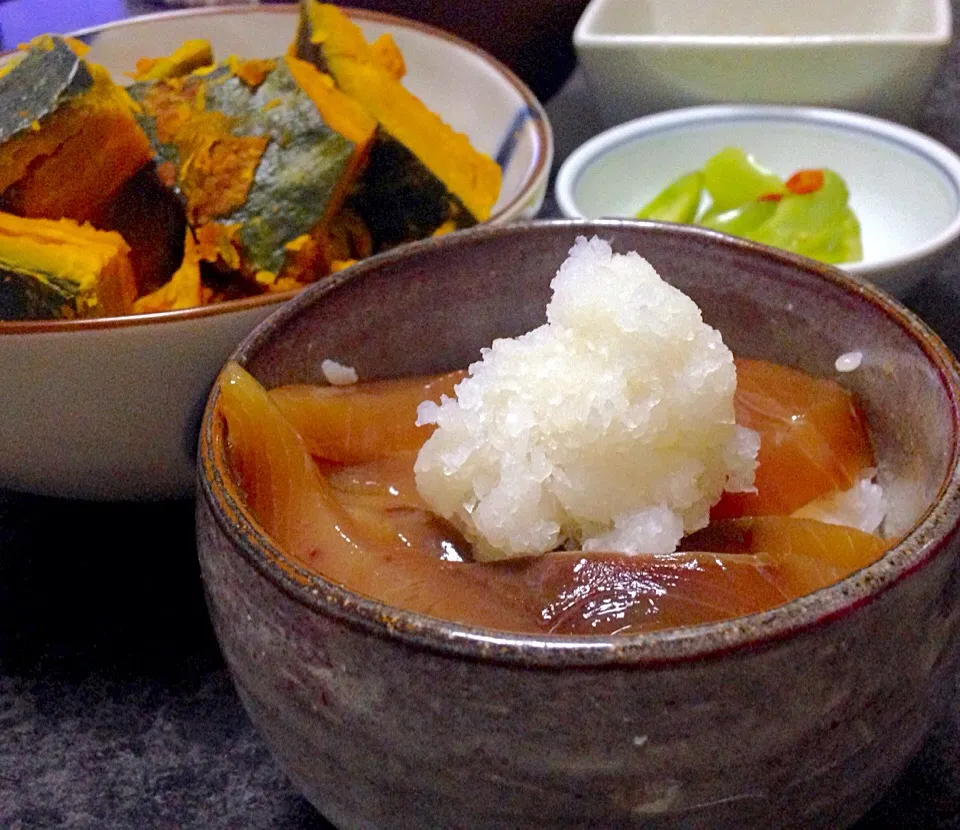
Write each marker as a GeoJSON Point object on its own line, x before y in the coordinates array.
{"type": "Point", "coordinates": [190, 55]}
{"type": "Point", "coordinates": [185, 287]}
{"type": "Point", "coordinates": [68, 137]}
{"type": "Point", "coordinates": [235, 178]}
{"type": "Point", "coordinates": [61, 269]}
{"type": "Point", "coordinates": [150, 217]}
{"type": "Point", "coordinates": [263, 155]}
{"type": "Point", "coordinates": [422, 176]}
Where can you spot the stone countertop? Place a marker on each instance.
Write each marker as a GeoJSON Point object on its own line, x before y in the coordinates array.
{"type": "Point", "coordinates": [116, 709]}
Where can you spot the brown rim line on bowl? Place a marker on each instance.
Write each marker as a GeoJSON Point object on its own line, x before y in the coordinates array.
{"type": "Point", "coordinates": [912, 552]}
{"type": "Point", "coordinates": [533, 108]}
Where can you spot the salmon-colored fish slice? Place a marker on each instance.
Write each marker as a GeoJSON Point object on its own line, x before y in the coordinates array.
{"type": "Point", "coordinates": [386, 483]}
{"type": "Point", "coordinates": [813, 439]}
{"type": "Point", "coordinates": [754, 564]}
{"type": "Point", "coordinates": [297, 507]}
{"type": "Point", "coordinates": [358, 423]}
{"type": "Point", "coordinates": [619, 594]}
{"type": "Point", "coordinates": [813, 554]}
{"type": "Point", "coordinates": [290, 499]}
{"type": "Point", "coordinates": [365, 528]}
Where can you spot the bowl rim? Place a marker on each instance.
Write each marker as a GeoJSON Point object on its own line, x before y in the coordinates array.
{"type": "Point", "coordinates": [929, 536]}
{"type": "Point", "coordinates": [584, 35]}
{"type": "Point", "coordinates": [933, 153]}
{"type": "Point", "coordinates": [531, 111]}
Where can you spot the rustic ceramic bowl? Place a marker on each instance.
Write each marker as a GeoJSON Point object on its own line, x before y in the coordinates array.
{"type": "Point", "coordinates": [797, 718]}
{"type": "Point", "coordinates": [109, 409]}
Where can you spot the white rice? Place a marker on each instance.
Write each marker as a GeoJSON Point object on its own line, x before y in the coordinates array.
{"type": "Point", "coordinates": [337, 374]}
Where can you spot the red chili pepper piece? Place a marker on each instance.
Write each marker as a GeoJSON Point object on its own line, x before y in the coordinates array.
{"type": "Point", "coordinates": [805, 181]}
{"type": "Point", "coordinates": [770, 197]}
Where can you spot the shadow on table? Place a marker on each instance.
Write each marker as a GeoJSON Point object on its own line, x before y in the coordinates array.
{"type": "Point", "coordinates": [115, 705]}
{"type": "Point", "coordinates": [111, 588]}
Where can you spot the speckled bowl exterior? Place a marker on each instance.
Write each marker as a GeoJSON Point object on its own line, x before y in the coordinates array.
{"type": "Point", "coordinates": [796, 718]}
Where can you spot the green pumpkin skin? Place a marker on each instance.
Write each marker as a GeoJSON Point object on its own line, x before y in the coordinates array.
{"type": "Point", "coordinates": [397, 196]}
{"type": "Point", "coordinates": [399, 199]}
{"type": "Point", "coordinates": [40, 83]}
{"type": "Point", "coordinates": [28, 295]}
{"type": "Point", "coordinates": [298, 181]}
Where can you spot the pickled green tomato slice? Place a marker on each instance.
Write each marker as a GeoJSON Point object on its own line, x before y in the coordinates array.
{"type": "Point", "coordinates": [678, 202]}
{"type": "Point", "coordinates": [731, 177]}
{"type": "Point", "coordinates": [809, 214]}
{"type": "Point", "coordinates": [811, 224]}
{"type": "Point", "coordinates": [741, 220]}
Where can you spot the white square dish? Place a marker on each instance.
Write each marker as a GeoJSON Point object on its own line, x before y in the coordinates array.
{"type": "Point", "coordinates": [873, 56]}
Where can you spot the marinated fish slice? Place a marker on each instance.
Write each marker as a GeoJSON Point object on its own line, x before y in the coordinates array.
{"type": "Point", "coordinates": [752, 565]}
{"type": "Point", "coordinates": [620, 594]}
{"type": "Point", "coordinates": [354, 424]}
{"type": "Point", "coordinates": [382, 544]}
{"type": "Point", "coordinates": [813, 439]}
{"type": "Point", "coordinates": [283, 488]}
{"type": "Point", "coordinates": [384, 483]}
{"type": "Point", "coordinates": [811, 554]}
{"type": "Point", "coordinates": [297, 508]}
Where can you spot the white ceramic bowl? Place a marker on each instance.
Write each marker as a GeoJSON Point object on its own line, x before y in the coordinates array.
{"type": "Point", "coordinates": [904, 187]}
{"type": "Point", "coordinates": [874, 56]}
{"type": "Point", "coordinates": [109, 409]}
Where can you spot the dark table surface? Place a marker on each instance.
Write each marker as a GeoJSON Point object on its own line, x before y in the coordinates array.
{"type": "Point", "coordinates": [115, 706]}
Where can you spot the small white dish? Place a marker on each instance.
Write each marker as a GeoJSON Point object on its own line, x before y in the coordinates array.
{"type": "Point", "coordinates": [904, 186]}
{"type": "Point", "coordinates": [874, 56]}
{"type": "Point", "coordinates": [109, 409]}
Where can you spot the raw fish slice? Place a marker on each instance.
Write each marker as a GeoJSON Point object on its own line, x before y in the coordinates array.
{"type": "Point", "coordinates": [354, 424]}
{"type": "Point", "coordinates": [384, 494]}
{"type": "Point", "coordinates": [283, 488]}
{"type": "Point", "coordinates": [813, 554]}
{"type": "Point", "coordinates": [754, 564]}
{"type": "Point", "coordinates": [813, 439]}
{"type": "Point", "coordinates": [620, 594]}
{"type": "Point", "coordinates": [384, 545]}
{"type": "Point", "coordinates": [385, 483]}
{"type": "Point", "coordinates": [298, 509]}
{"type": "Point", "coordinates": [421, 529]}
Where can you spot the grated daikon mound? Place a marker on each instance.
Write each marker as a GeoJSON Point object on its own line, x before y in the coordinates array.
{"type": "Point", "coordinates": [609, 428]}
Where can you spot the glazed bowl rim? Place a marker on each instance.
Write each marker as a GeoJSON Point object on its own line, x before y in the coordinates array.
{"type": "Point", "coordinates": [934, 154]}
{"type": "Point", "coordinates": [543, 159]}
{"type": "Point", "coordinates": [920, 546]}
